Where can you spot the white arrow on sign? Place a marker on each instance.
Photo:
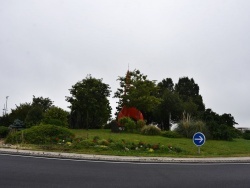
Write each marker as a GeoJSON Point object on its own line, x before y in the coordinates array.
{"type": "Point", "coordinates": [199, 139]}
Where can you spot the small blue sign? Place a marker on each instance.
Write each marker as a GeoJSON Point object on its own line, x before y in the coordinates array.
{"type": "Point", "coordinates": [199, 139]}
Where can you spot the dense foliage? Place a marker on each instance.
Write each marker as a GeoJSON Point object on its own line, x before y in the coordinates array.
{"type": "Point", "coordinates": [3, 131]}
{"type": "Point", "coordinates": [56, 116]}
{"type": "Point", "coordinates": [189, 128]}
{"type": "Point", "coordinates": [41, 134]}
{"type": "Point", "coordinates": [129, 125]}
{"type": "Point", "coordinates": [150, 130]}
{"type": "Point", "coordinates": [90, 106]}
{"type": "Point", "coordinates": [29, 113]}
{"type": "Point", "coordinates": [246, 135]}
{"type": "Point", "coordinates": [139, 92]}
{"type": "Point", "coordinates": [163, 103]}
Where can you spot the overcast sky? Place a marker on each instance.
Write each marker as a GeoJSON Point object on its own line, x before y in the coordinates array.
{"type": "Point", "coordinates": [47, 46]}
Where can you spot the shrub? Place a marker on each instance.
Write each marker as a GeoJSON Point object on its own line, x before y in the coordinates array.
{"type": "Point", "coordinates": [41, 134]}
{"type": "Point", "coordinates": [150, 130]}
{"type": "Point", "coordinates": [128, 124]}
{"type": "Point", "coordinates": [34, 116]}
{"type": "Point", "coordinates": [56, 116]}
{"type": "Point", "coordinates": [103, 142]}
{"type": "Point", "coordinates": [96, 139]}
{"type": "Point", "coordinates": [171, 134]}
{"type": "Point", "coordinates": [221, 132]}
{"type": "Point", "coordinates": [113, 125]}
{"type": "Point", "coordinates": [56, 122]}
{"type": "Point", "coordinates": [124, 120]}
{"type": "Point", "coordinates": [81, 144]}
{"type": "Point", "coordinates": [3, 131]}
{"type": "Point", "coordinates": [188, 129]}
{"type": "Point", "coordinates": [141, 124]}
{"type": "Point", "coordinates": [246, 135]}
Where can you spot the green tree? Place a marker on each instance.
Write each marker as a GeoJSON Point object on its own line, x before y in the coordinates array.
{"type": "Point", "coordinates": [20, 112]}
{"type": "Point", "coordinates": [166, 84]}
{"type": "Point", "coordinates": [139, 92]}
{"type": "Point", "coordinates": [221, 127]}
{"type": "Point", "coordinates": [44, 103]}
{"type": "Point", "coordinates": [27, 113]}
{"type": "Point", "coordinates": [190, 108]}
{"type": "Point", "coordinates": [90, 106]}
{"type": "Point", "coordinates": [169, 110]}
{"type": "Point", "coordinates": [34, 116]}
{"type": "Point", "coordinates": [227, 119]}
{"type": "Point", "coordinates": [56, 116]}
{"type": "Point", "coordinates": [5, 120]}
{"type": "Point", "coordinates": [189, 92]}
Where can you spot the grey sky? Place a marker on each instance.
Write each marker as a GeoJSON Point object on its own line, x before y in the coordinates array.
{"type": "Point", "coordinates": [47, 46]}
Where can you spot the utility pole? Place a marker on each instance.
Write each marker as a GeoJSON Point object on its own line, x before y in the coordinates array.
{"type": "Point", "coordinates": [3, 109]}
{"type": "Point", "coordinates": [6, 109]}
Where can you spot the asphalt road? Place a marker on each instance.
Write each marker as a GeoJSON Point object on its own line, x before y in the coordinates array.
{"type": "Point", "coordinates": [28, 171]}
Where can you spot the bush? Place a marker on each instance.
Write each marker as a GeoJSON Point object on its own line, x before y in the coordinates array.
{"type": "Point", "coordinates": [150, 130]}
{"type": "Point", "coordinates": [81, 144]}
{"type": "Point", "coordinates": [56, 122]}
{"type": "Point", "coordinates": [140, 124]}
{"type": "Point", "coordinates": [56, 116]}
{"type": "Point", "coordinates": [188, 129]}
{"type": "Point", "coordinates": [3, 131]}
{"type": "Point", "coordinates": [221, 132]}
{"type": "Point", "coordinates": [113, 125]}
{"type": "Point", "coordinates": [128, 124]}
{"type": "Point", "coordinates": [171, 134]}
{"type": "Point", "coordinates": [246, 135]}
{"type": "Point", "coordinates": [41, 134]}
{"type": "Point", "coordinates": [34, 116]}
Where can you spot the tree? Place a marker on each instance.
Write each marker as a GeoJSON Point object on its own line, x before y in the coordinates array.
{"type": "Point", "coordinates": [169, 110]}
{"type": "Point", "coordinates": [5, 120]}
{"type": "Point", "coordinates": [220, 126]}
{"type": "Point", "coordinates": [187, 88]}
{"type": "Point", "coordinates": [34, 116]}
{"type": "Point", "coordinates": [166, 84]}
{"type": "Point", "coordinates": [139, 92]}
{"type": "Point", "coordinates": [90, 106]}
{"type": "Point", "coordinates": [189, 92]}
{"type": "Point", "coordinates": [227, 119]}
{"type": "Point", "coordinates": [56, 116]}
{"type": "Point", "coordinates": [44, 103]}
{"type": "Point", "coordinates": [30, 113]}
{"type": "Point", "coordinates": [20, 112]}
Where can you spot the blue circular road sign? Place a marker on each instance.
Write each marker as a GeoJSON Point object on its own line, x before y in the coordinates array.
{"type": "Point", "coordinates": [199, 139]}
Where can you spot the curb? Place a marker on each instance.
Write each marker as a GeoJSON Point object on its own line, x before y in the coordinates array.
{"type": "Point", "coordinates": [124, 159]}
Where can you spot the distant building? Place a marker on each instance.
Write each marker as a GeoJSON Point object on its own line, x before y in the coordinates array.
{"type": "Point", "coordinates": [243, 129]}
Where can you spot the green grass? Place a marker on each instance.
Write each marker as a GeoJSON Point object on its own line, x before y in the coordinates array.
{"type": "Point", "coordinates": [212, 148]}
{"type": "Point", "coordinates": [169, 147]}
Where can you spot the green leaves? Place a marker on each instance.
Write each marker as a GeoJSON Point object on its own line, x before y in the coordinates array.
{"type": "Point", "coordinates": [56, 116]}
{"type": "Point", "coordinates": [90, 106]}
{"type": "Point", "coordinates": [137, 91]}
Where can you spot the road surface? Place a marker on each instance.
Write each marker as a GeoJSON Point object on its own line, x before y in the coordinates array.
{"type": "Point", "coordinates": [29, 171]}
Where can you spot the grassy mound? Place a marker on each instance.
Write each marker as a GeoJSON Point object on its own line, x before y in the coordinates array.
{"type": "Point", "coordinates": [41, 134]}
